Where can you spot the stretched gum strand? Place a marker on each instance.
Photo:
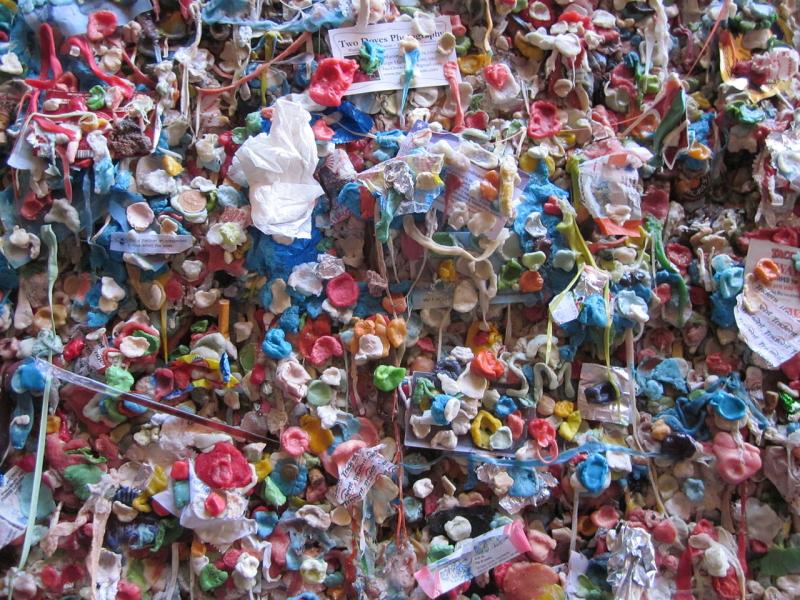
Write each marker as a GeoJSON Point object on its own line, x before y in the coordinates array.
{"type": "Point", "coordinates": [654, 229]}
{"type": "Point", "coordinates": [510, 359]}
{"type": "Point", "coordinates": [508, 173]}
{"type": "Point", "coordinates": [415, 234]}
{"type": "Point", "coordinates": [291, 49]}
{"type": "Point", "coordinates": [450, 70]}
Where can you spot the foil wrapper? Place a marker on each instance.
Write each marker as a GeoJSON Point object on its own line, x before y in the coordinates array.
{"type": "Point", "coordinates": [632, 564]}
{"type": "Point", "coordinates": [399, 175]}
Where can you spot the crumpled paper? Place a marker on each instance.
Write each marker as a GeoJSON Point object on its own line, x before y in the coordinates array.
{"type": "Point", "coordinates": [278, 167]}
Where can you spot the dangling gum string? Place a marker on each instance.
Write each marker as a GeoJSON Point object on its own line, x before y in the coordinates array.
{"type": "Point", "coordinates": [88, 56]}
{"type": "Point", "coordinates": [291, 49]}
{"type": "Point", "coordinates": [449, 69]}
{"type": "Point", "coordinates": [727, 517]}
{"type": "Point", "coordinates": [442, 324]}
{"type": "Point", "coordinates": [363, 14]}
{"type": "Point", "coordinates": [410, 59]}
{"type": "Point", "coordinates": [269, 51]}
{"type": "Point", "coordinates": [400, 532]}
{"type": "Point", "coordinates": [62, 153]}
{"type": "Point", "coordinates": [431, 226]}
{"type": "Point", "coordinates": [723, 13]}
{"type": "Point", "coordinates": [655, 230]}
{"type": "Point", "coordinates": [100, 514]}
{"type": "Point", "coordinates": [164, 334]}
{"type": "Point", "coordinates": [194, 9]}
{"type": "Point", "coordinates": [137, 72]}
{"type": "Point", "coordinates": [49, 238]}
{"type": "Point", "coordinates": [569, 229]}
{"type": "Point", "coordinates": [355, 399]}
{"type": "Point", "coordinates": [610, 375]}
{"type": "Point", "coordinates": [48, 61]}
{"type": "Point", "coordinates": [390, 243]}
{"type": "Point", "coordinates": [554, 303]}
{"type": "Point", "coordinates": [381, 260]}
{"type": "Point", "coordinates": [455, 251]}
{"type": "Point", "coordinates": [175, 564]}
{"type": "Point", "coordinates": [573, 536]}
{"type": "Point", "coordinates": [742, 534]}
{"type": "Point", "coordinates": [634, 409]}
{"type": "Point", "coordinates": [508, 323]}
{"type": "Point", "coordinates": [489, 28]}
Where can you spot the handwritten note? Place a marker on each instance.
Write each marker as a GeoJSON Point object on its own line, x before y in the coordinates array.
{"type": "Point", "coordinates": [359, 474]}
{"type": "Point", "coordinates": [770, 331]}
{"type": "Point", "coordinates": [151, 243]}
{"type": "Point", "coordinates": [346, 42]}
{"type": "Point", "coordinates": [787, 287]}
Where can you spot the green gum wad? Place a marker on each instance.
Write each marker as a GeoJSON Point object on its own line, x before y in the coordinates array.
{"type": "Point", "coordinates": [136, 576]}
{"type": "Point", "coordinates": [509, 274]}
{"type": "Point", "coordinates": [370, 57]}
{"type": "Point", "coordinates": [437, 552]}
{"type": "Point", "coordinates": [649, 84]}
{"type": "Point", "coordinates": [311, 460]}
{"type": "Point", "coordinates": [424, 390]}
{"type": "Point", "coordinates": [169, 531]}
{"type": "Point", "coordinates": [272, 494]}
{"type": "Point", "coordinates": [534, 260]}
{"type": "Point", "coordinates": [152, 340]}
{"type": "Point", "coordinates": [118, 378]}
{"type": "Point", "coordinates": [463, 44]}
{"type": "Point", "coordinates": [199, 326]}
{"type": "Point", "coordinates": [319, 393]}
{"type": "Point", "coordinates": [443, 239]}
{"type": "Point", "coordinates": [789, 404]}
{"type": "Point", "coordinates": [211, 578]}
{"type": "Point", "coordinates": [97, 98]}
{"type": "Point", "coordinates": [181, 350]}
{"type": "Point", "coordinates": [80, 477]}
{"type": "Point", "coordinates": [744, 112]}
{"type": "Point", "coordinates": [387, 378]}
{"type": "Point", "coordinates": [252, 123]}
{"type": "Point", "coordinates": [109, 404]}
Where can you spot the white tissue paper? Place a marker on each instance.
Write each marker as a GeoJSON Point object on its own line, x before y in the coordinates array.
{"type": "Point", "coordinates": [278, 167]}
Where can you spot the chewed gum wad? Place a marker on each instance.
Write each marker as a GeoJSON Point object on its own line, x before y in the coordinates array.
{"type": "Point", "coordinates": [399, 299]}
